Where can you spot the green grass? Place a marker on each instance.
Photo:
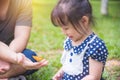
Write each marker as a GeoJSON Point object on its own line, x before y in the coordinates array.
{"type": "Point", "coordinates": [108, 27]}
{"type": "Point", "coordinates": [44, 36]}
{"type": "Point", "coordinates": [47, 40]}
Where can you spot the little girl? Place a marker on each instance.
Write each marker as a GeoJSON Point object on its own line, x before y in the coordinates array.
{"type": "Point", "coordinates": [84, 53]}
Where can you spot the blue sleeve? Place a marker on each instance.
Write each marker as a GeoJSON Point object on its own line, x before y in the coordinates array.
{"type": "Point", "coordinates": [98, 51]}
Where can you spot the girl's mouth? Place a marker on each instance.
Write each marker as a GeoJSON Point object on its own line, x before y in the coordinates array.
{"type": "Point", "coordinates": [70, 36]}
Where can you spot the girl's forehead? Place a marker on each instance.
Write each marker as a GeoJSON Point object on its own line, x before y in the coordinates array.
{"type": "Point", "coordinates": [69, 25]}
{"type": "Point", "coordinates": [61, 20]}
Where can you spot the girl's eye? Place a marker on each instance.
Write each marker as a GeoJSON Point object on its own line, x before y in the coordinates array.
{"type": "Point", "coordinates": [66, 28]}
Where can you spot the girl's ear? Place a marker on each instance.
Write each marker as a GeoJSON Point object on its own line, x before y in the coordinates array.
{"type": "Point", "coordinates": [85, 20]}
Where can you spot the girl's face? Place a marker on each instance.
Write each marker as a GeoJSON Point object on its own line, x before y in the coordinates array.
{"type": "Point", "coordinates": [70, 32]}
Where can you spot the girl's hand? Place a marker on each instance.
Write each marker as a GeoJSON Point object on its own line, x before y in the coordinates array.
{"type": "Point", "coordinates": [28, 64]}
{"type": "Point", "coordinates": [58, 75]}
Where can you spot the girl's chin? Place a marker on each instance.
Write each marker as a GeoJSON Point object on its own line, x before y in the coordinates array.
{"type": "Point", "coordinates": [73, 40]}
{"type": "Point", "coordinates": [76, 40]}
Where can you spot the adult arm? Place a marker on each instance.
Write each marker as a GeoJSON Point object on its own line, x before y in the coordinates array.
{"type": "Point", "coordinates": [5, 53]}
{"type": "Point", "coordinates": [23, 26]}
{"type": "Point", "coordinates": [19, 58]}
{"type": "Point", "coordinates": [21, 37]}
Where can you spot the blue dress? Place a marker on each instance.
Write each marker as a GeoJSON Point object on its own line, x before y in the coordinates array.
{"type": "Point", "coordinates": [75, 59]}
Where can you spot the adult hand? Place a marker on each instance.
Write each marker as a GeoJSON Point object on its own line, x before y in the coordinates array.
{"type": "Point", "coordinates": [4, 66]}
{"type": "Point", "coordinates": [28, 64]}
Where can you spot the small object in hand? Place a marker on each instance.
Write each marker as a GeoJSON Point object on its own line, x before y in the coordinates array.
{"type": "Point", "coordinates": [37, 58]}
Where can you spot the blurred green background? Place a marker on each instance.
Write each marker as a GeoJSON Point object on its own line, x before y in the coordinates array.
{"type": "Point", "coordinates": [47, 40]}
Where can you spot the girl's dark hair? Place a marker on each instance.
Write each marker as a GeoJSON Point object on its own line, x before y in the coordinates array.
{"type": "Point", "coordinates": [71, 11]}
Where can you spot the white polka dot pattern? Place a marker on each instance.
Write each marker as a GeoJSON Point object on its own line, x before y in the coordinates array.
{"type": "Point", "coordinates": [96, 50]}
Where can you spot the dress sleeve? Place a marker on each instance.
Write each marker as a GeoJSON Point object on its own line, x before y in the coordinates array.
{"type": "Point", "coordinates": [98, 51]}
{"type": "Point", "coordinates": [24, 17]}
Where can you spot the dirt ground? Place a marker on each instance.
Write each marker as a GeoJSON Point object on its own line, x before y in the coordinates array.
{"type": "Point", "coordinates": [112, 63]}
{"type": "Point", "coordinates": [113, 66]}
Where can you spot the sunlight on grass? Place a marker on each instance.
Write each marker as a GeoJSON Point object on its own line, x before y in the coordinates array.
{"type": "Point", "coordinates": [44, 36]}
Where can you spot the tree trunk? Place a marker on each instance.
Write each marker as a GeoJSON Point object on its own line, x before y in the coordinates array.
{"type": "Point", "coordinates": [104, 7]}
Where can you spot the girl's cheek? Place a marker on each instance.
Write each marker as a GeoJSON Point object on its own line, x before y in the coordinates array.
{"type": "Point", "coordinates": [64, 32]}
